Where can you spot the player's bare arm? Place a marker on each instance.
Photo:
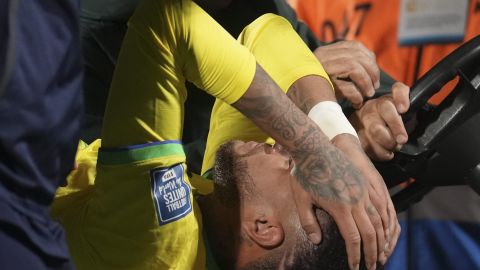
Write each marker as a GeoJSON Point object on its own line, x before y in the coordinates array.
{"type": "Point", "coordinates": [324, 176]}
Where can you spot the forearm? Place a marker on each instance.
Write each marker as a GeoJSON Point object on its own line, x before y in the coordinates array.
{"type": "Point", "coordinates": [308, 91]}
{"type": "Point", "coordinates": [315, 157]}
{"type": "Point", "coordinates": [266, 105]}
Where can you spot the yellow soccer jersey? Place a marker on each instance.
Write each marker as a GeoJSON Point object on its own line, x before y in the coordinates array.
{"type": "Point", "coordinates": [170, 241]}
{"type": "Point", "coordinates": [284, 56]}
{"type": "Point", "coordinates": [139, 213]}
{"type": "Point", "coordinates": [168, 42]}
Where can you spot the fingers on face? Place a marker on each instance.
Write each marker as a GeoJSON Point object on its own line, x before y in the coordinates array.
{"type": "Point", "coordinates": [401, 99]}
{"type": "Point", "coordinates": [379, 216]}
{"type": "Point", "coordinates": [369, 224]}
{"type": "Point", "coordinates": [395, 236]}
{"type": "Point", "coordinates": [348, 229]}
{"type": "Point", "coordinates": [306, 213]}
{"type": "Point", "coordinates": [394, 229]}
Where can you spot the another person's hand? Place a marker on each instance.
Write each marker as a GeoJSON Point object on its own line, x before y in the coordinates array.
{"type": "Point", "coordinates": [379, 124]}
{"type": "Point", "coordinates": [378, 194]}
{"type": "Point", "coordinates": [352, 69]}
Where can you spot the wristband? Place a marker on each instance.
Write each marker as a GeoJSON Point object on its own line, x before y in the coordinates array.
{"type": "Point", "coordinates": [328, 115]}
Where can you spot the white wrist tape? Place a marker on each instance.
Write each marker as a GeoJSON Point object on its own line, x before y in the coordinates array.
{"type": "Point", "coordinates": [330, 118]}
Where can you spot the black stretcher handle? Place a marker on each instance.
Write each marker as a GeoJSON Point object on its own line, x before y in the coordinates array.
{"type": "Point", "coordinates": [444, 71]}
{"type": "Point", "coordinates": [410, 161]}
{"type": "Point", "coordinates": [419, 158]}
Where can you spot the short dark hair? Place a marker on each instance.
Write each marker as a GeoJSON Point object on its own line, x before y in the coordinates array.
{"type": "Point", "coordinates": [230, 175]}
{"type": "Point", "coordinates": [224, 176]}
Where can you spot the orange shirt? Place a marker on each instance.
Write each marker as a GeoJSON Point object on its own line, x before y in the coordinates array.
{"type": "Point", "coordinates": [375, 24]}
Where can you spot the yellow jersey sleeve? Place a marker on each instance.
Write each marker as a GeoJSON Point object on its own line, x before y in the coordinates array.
{"type": "Point", "coordinates": [215, 61]}
{"type": "Point", "coordinates": [167, 43]}
{"type": "Point", "coordinates": [285, 57]}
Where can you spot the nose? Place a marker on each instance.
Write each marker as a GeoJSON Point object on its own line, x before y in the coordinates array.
{"type": "Point", "coordinates": [248, 146]}
{"type": "Point", "coordinates": [268, 148]}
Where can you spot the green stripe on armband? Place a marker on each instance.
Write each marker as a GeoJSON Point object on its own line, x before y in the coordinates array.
{"type": "Point", "coordinates": [133, 154]}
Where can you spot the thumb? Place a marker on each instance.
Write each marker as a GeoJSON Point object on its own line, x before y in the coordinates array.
{"type": "Point", "coordinates": [306, 214]}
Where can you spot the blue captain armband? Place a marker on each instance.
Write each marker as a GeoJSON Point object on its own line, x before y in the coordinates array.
{"type": "Point", "coordinates": [171, 193]}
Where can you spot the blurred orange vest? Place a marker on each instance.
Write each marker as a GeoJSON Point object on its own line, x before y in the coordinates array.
{"type": "Point", "coordinates": [375, 24]}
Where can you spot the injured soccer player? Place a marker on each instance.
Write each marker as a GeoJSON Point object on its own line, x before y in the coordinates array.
{"type": "Point", "coordinates": [139, 211]}
{"type": "Point", "coordinates": [249, 215]}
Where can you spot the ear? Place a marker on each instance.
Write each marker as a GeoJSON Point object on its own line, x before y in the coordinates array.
{"type": "Point", "coordinates": [267, 232]}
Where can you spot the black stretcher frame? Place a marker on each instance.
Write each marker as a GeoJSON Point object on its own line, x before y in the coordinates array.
{"type": "Point", "coordinates": [444, 141]}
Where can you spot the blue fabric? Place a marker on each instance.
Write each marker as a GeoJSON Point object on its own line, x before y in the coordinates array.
{"type": "Point", "coordinates": [435, 244]}
{"type": "Point", "coordinates": [18, 255]}
{"type": "Point", "coordinates": [39, 124]}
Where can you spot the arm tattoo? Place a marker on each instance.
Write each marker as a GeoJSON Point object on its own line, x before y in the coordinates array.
{"type": "Point", "coordinates": [319, 167]}
{"type": "Point", "coordinates": [304, 102]}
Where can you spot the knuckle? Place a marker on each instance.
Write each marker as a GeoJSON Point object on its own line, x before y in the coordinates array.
{"type": "Point", "coordinates": [348, 89]}
{"type": "Point", "coordinates": [359, 74]}
{"type": "Point", "coordinates": [383, 206]}
{"type": "Point", "coordinates": [372, 208]}
{"type": "Point", "coordinates": [386, 105]}
{"type": "Point", "coordinates": [384, 215]}
{"type": "Point", "coordinates": [371, 258]}
{"type": "Point", "coordinates": [370, 235]}
{"type": "Point", "coordinates": [368, 119]}
{"type": "Point", "coordinates": [354, 239]}
{"type": "Point", "coordinates": [377, 224]}
{"type": "Point", "coordinates": [377, 130]}
{"type": "Point", "coordinates": [344, 61]}
{"type": "Point", "coordinates": [377, 221]}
